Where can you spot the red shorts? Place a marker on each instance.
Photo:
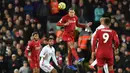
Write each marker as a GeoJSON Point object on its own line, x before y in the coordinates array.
{"type": "Point", "coordinates": [34, 63]}
{"type": "Point", "coordinates": [68, 38]}
{"type": "Point", "coordinates": [102, 61]}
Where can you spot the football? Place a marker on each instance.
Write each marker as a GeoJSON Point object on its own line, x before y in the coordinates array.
{"type": "Point", "coordinates": [61, 5]}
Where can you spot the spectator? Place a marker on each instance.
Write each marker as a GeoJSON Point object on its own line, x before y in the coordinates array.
{"type": "Point", "coordinates": [25, 68]}
{"type": "Point", "coordinates": [39, 30]}
{"type": "Point", "coordinates": [16, 71]}
{"type": "Point", "coordinates": [13, 64]}
{"type": "Point", "coordinates": [16, 10]}
{"type": "Point", "coordinates": [89, 10]}
{"type": "Point", "coordinates": [20, 57]}
{"type": "Point", "coordinates": [43, 11]}
{"type": "Point", "coordinates": [10, 9]}
{"type": "Point", "coordinates": [28, 8]}
{"type": "Point", "coordinates": [98, 12]}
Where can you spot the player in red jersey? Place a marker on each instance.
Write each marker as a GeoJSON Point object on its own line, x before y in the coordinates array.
{"type": "Point", "coordinates": [32, 52]}
{"type": "Point", "coordinates": [104, 54]}
{"type": "Point", "coordinates": [69, 22]}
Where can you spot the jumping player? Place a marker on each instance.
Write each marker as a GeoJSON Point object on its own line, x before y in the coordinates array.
{"type": "Point", "coordinates": [69, 22]}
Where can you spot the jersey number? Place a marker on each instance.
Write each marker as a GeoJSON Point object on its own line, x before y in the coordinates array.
{"type": "Point", "coordinates": [105, 37]}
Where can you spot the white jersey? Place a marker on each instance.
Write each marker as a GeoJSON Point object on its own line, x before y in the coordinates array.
{"type": "Point", "coordinates": [99, 27]}
{"type": "Point", "coordinates": [46, 54]}
{"type": "Point", "coordinates": [49, 52]}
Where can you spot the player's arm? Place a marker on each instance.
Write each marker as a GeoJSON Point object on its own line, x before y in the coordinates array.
{"type": "Point", "coordinates": [62, 22]}
{"type": "Point", "coordinates": [82, 25]}
{"type": "Point", "coordinates": [43, 53]}
{"type": "Point", "coordinates": [28, 50]}
{"type": "Point", "coordinates": [54, 58]}
{"type": "Point", "coordinates": [116, 40]}
{"type": "Point", "coordinates": [94, 44]}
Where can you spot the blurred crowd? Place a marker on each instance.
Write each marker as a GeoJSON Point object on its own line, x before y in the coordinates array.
{"type": "Point", "coordinates": [20, 18]}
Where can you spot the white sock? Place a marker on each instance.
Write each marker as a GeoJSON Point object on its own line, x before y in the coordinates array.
{"type": "Point", "coordinates": [106, 68]}
{"type": "Point", "coordinates": [94, 63]}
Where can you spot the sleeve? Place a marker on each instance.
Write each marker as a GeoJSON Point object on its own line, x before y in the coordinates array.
{"type": "Point", "coordinates": [54, 58]}
{"type": "Point", "coordinates": [28, 50]}
{"type": "Point", "coordinates": [43, 53]}
{"type": "Point", "coordinates": [20, 70]}
{"type": "Point", "coordinates": [93, 36]}
{"type": "Point", "coordinates": [79, 24]}
{"type": "Point", "coordinates": [42, 39]}
{"type": "Point", "coordinates": [94, 41]}
{"type": "Point", "coordinates": [62, 21]}
{"type": "Point", "coordinates": [116, 40]}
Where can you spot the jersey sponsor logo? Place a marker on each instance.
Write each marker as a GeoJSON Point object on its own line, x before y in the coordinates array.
{"type": "Point", "coordinates": [106, 30]}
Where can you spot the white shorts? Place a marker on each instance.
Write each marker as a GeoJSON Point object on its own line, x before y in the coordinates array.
{"type": "Point", "coordinates": [46, 67]}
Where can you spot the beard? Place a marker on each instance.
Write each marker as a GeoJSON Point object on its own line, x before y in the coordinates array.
{"type": "Point", "coordinates": [50, 45]}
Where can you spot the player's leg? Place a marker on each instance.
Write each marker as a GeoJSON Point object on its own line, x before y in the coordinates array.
{"type": "Point", "coordinates": [37, 64]}
{"type": "Point", "coordinates": [110, 63]}
{"type": "Point", "coordinates": [32, 66]}
{"type": "Point", "coordinates": [111, 70]}
{"type": "Point", "coordinates": [34, 70]}
{"type": "Point", "coordinates": [47, 67]}
{"type": "Point", "coordinates": [37, 70]}
{"type": "Point", "coordinates": [93, 64]}
{"type": "Point", "coordinates": [105, 67]}
{"type": "Point", "coordinates": [54, 70]}
{"type": "Point", "coordinates": [100, 69]}
{"type": "Point", "coordinates": [69, 57]}
{"type": "Point", "coordinates": [100, 63]}
{"type": "Point", "coordinates": [74, 52]}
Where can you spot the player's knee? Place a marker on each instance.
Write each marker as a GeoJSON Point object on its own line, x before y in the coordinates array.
{"type": "Point", "coordinates": [100, 67]}
{"type": "Point", "coordinates": [54, 71]}
{"type": "Point", "coordinates": [34, 70]}
{"type": "Point", "coordinates": [110, 67]}
{"type": "Point", "coordinates": [71, 45]}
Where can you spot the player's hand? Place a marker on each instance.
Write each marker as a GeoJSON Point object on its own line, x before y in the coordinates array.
{"type": "Point", "coordinates": [67, 23]}
{"type": "Point", "coordinates": [78, 50]}
{"type": "Point", "coordinates": [89, 24]}
{"type": "Point", "coordinates": [93, 55]}
{"type": "Point", "coordinates": [59, 67]}
{"type": "Point", "coordinates": [29, 59]}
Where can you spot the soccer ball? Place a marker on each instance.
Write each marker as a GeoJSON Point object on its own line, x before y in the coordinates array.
{"type": "Point", "coordinates": [62, 5]}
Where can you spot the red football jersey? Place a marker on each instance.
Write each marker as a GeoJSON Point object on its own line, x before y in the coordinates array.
{"type": "Point", "coordinates": [103, 41]}
{"type": "Point", "coordinates": [34, 47]}
{"type": "Point", "coordinates": [69, 29]}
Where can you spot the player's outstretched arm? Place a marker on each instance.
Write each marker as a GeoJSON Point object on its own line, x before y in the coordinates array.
{"type": "Point", "coordinates": [62, 22]}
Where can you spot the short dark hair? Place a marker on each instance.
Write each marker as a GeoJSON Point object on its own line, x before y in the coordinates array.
{"type": "Point", "coordinates": [107, 21]}
{"type": "Point", "coordinates": [34, 33]}
{"type": "Point", "coordinates": [50, 38]}
{"type": "Point", "coordinates": [71, 8]}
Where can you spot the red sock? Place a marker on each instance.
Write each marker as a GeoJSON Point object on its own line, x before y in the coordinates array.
{"type": "Point", "coordinates": [74, 53]}
{"type": "Point", "coordinates": [111, 71]}
{"type": "Point", "coordinates": [100, 71]}
{"type": "Point", "coordinates": [69, 58]}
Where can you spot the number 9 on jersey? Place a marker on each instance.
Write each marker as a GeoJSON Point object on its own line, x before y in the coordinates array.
{"type": "Point", "coordinates": [105, 37]}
